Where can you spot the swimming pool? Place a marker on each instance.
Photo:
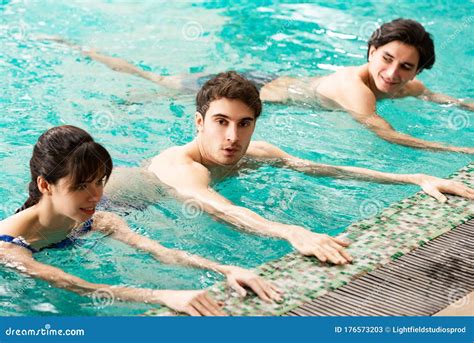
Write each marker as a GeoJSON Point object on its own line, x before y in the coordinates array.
{"type": "Point", "coordinates": [46, 85]}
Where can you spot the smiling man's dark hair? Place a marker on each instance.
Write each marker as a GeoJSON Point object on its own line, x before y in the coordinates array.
{"type": "Point", "coordinates": [409, 32]}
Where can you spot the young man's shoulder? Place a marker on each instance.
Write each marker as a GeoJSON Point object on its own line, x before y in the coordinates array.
{"type": "Point", "coordinates": [262, 149]}
{"type": "Point", "coordinates": [179, 168]}
{"type": "Point", "coordinates": [175, 159]}
{"type": "Point", "coordinates": [174, 154]}
{"type": "Point", "coordinates": [348, 89]}
{"type": "Point", "coordinates": [343, 79]}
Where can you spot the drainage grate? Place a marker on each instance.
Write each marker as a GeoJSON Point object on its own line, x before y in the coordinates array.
{"type": "Point", "coordinates": [419, 283]}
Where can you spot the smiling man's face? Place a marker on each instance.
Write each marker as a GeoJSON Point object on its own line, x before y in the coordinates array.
{"type": "Point", "coordinates": [392, 65]}
{"type": "Point", "coordinates": [225, 131]}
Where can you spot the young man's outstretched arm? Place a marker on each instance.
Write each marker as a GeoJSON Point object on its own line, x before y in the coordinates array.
{"type": "Point", "coordinates": [432, 185]}
{"type": "Point", "coordinates": [191, 181]}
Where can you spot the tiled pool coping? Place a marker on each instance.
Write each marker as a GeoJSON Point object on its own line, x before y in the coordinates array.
{"type": "Point", "coordinates": [396, 230]}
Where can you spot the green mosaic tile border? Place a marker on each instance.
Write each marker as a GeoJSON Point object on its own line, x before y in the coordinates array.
{"type": "Point", "coordinates": [393, 232]}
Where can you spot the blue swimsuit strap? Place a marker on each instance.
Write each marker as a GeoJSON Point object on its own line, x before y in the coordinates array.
{"type": "Point", "coordinates": [62, 244]}
{"type": "Point", "coordinates": [17, 241]}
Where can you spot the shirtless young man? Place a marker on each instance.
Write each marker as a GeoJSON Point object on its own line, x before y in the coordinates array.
{"type": "Point", "coordinates": [227, 110]}
{"type": "Point", "coordinates": [397, 52]}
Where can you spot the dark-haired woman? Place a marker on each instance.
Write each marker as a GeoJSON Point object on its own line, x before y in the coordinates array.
{"type": "Point", "coordinates": [68, 172]}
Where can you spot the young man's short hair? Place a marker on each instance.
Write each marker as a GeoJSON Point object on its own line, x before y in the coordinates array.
{"type": "Point", "coordinates": [230, 85]}
{"type": "Point", "coordinates": [409, 32]}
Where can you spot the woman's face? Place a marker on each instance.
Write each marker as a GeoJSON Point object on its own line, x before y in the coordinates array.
{"type": "Point", "coordinates": [77, 203]}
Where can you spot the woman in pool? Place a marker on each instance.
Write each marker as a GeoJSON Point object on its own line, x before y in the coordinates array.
{"type": "Point", "coordinates": [68, 173]}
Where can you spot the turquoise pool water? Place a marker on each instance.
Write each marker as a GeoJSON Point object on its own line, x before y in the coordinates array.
{"type": "Point", "coordinates": [47, 84]}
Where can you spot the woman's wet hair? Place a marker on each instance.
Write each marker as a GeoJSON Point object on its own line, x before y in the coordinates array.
{"type": "Point", "coordinates": [66, 151]}
{"type": "Point", "coordinates": [229, 85]}
{"type": "Point", "coordinates": [409, 32]}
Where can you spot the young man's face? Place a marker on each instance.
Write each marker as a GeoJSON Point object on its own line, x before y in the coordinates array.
{"type": "Point", "coordinates": [392, 65]}
{"type": "Point", "coordinates": [225, 131]}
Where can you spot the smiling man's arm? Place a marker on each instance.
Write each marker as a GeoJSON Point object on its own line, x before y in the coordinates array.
{"type": "Point", "coordinates": [360, 102]}
{"type": "Point", "coordinates": [417, 89]}
{"type": "Point", "coordinates": [191, 180]}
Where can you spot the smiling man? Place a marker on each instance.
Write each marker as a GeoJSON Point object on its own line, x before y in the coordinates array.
{"type": "Point", "coordinates": [397, 52]}
{"type": "Point", "coordinates": [227, 108]}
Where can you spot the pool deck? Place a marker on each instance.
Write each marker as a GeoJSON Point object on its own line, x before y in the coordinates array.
{"type": "Point", "coordinates": [419, 283]}
{"type": "Point", "coordinates": [376, 242]}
